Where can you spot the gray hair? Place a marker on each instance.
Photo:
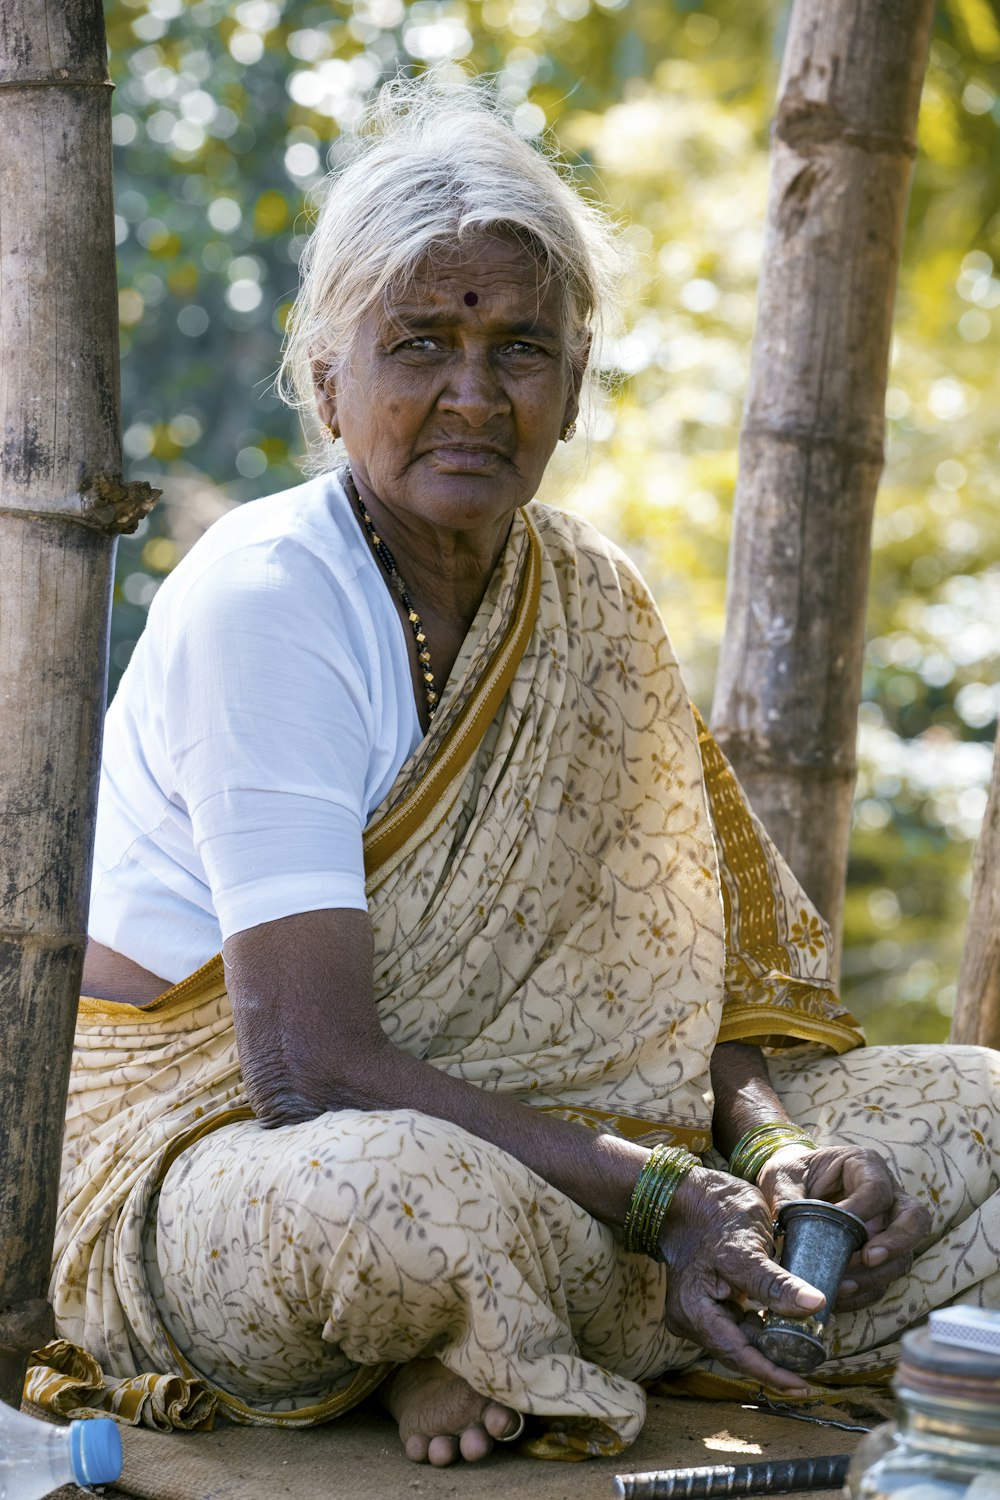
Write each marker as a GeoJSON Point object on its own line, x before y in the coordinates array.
{"type": "Point", "coordinates": [433, 162]}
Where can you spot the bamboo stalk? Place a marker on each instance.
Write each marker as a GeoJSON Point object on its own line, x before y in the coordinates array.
{"type": "Point", "coordinates": [977, 1005]}
{"type": "Point", "coordinates": [811, 455]}
{"type": "Point", "coordinates": [62, 501]}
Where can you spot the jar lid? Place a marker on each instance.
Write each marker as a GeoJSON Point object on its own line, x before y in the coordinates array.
{"type": "Point", "coordinates": [934, 1368]}
{"type": "Point", "coordinates": [967, 1327]}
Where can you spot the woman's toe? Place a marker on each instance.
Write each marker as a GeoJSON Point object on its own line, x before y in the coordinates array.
{"type": "Point", "coordinates": [500, 1422]}
{"type": "Point", "coordinates": [442, 1451]}
{"type": "Point", "coordinates": [415, 1448]}
{"type": "Point", "coordinates": [474, 1443]}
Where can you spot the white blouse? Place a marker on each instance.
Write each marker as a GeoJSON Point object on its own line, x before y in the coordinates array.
{"type": "Point", "coordinates": [265, 713]}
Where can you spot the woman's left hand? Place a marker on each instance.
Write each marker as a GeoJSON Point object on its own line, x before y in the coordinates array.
{"type": "Point", "coordinates": [857, 1179]}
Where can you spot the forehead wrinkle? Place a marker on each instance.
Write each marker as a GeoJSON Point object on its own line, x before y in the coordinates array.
{"type": "Point", "coordinates": [507, 269]}
{"type": "Point", "coordinates": [433, 305]}
{"type": "Point", "coordinates": [487, 285]}
{"type": "Point", "coordinates": [445, 317]}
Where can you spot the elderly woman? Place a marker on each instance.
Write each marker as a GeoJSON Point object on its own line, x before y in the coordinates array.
{"type": "Point", "coordinates": [502, 943]}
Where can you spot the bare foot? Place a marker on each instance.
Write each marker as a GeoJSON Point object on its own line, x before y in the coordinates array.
{"type": "Point", "coordinates": [441, 1418]}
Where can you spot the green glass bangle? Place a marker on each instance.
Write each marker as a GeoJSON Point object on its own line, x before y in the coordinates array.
{"type": "Point", "coordinates": [654, 1189]}
{"type": "Point", "coordinates": [760, 1144]}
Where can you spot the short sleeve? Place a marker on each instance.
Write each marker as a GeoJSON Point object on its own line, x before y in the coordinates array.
{"type": "Point", "coordinates": [268, 728]}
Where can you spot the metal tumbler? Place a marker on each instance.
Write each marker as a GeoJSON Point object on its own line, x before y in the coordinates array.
{"type": "Point", "coordinates": [818, 1242]}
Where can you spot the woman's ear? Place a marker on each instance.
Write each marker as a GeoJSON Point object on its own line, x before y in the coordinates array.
{"type": "Point", "coordinates": [326, 396]}
{"type": "Point", "coordinates": [578, 368]}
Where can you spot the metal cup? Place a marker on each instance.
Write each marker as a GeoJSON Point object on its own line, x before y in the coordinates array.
{"type": "Point", "coordinates": [819, 1240]}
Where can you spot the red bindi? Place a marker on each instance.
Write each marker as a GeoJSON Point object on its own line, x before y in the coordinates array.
{"type": "Point", "coordinates": [471, 298]}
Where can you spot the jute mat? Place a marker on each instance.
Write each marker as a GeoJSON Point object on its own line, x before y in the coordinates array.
{"type": "Point", "coordinates": [359, 1458]}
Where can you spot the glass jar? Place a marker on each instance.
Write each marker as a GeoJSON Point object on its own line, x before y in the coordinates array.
{"type": "Point", "coordinates": [945, 1441]}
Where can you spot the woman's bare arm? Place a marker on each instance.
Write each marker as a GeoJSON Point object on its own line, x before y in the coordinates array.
{"type": "Point", "coordinates": [310, 1041]}
{"type": "Point", "coordinates": [744, 1094]}
{"type": "Point", "coordinates": [111, 976]}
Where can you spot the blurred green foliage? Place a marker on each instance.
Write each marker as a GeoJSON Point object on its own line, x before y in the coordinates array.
{"type": "Point", "coordinates": [226, 115]}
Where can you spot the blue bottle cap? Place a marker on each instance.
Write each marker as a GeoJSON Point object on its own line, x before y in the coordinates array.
{"type": "Point", "coordinates": [95, 1448]}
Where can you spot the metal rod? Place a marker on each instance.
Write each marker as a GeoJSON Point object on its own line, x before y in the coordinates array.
{"type": "Point", "coordinates": [766, 1478]}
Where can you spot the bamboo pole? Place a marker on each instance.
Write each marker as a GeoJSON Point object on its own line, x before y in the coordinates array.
{"type": "Point", "coordinates": [977, 1005]}
{"type": "Point", "coordinates": [62, 502]}
{"type": "Point", "coordinates": [811, 455]}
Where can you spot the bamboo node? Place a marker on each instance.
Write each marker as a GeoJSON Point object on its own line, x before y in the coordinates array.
{"type": "Point", "coordinates": [808, 125]}
{"type": "Point", "coordinates": [26, 1326]}
{"type": "Point", "coordinates": [112, 506]}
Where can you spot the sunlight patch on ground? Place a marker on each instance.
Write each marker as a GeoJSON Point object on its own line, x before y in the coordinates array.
{"type": "Point", "coordinates": [724, 1442]}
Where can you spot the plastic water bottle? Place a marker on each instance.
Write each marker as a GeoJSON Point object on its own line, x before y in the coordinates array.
{"type": "Point", "coordinates": [37, 1457]}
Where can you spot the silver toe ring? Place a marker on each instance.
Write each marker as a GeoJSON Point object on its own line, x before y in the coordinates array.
{"type": "Point", "coordinates": [512, 1437]}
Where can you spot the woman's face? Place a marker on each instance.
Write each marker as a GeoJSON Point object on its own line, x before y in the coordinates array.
{"type": "Point", "coordinates": [454, 394]}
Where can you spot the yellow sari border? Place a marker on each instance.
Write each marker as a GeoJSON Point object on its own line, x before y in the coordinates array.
{"type": "Point", "coordinates": [742, 853]}
{"type": "Point", "coordinates": [715, 1385]}
{"type": "Point", "coordinates": [631, 1127]}
{"type": "Point", "coordinates": [387, 840]}
{"type": "Point", "coordinates": [206, 983]}
{"type": "Point", "coordinates": [777, 943]}
{"type": "Point", "coordinates": [367, 1379]}
{"type": "Point", "coordinates": [742, 1023]}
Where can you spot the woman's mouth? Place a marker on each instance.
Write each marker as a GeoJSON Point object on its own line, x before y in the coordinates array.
{"type": "Point", "coordinates": [466, 458]}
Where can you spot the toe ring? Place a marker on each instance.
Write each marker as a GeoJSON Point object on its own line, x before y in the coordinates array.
{"type": "Point", "coordinates": [512, 1437]}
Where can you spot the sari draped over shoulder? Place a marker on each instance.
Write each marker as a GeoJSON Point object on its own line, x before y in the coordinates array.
{"type": "Point", "coordinates": [571, 901]}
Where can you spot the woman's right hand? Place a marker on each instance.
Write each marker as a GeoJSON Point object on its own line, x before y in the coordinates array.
{"type": "Point", "coordinates": [717, 1244]}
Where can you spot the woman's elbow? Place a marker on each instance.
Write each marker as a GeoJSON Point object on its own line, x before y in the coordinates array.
{"type": "Point", "coordinates": [278, 1101]}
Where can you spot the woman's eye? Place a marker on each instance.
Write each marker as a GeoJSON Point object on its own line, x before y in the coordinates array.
{"type": "Point", "coordinates": [419, 342]}
{"type": "Point", "coordinates": [520, 347]}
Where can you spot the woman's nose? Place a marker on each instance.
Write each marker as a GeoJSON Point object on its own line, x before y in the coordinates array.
{"type": "Point", "coordinates": [474, 391]}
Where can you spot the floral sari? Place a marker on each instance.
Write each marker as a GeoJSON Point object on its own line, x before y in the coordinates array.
{"type": "Point", "coordinates": [572, 904]}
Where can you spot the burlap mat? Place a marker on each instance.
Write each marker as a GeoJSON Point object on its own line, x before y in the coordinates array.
{"type": "Point", "coordinates": [359, 1458]}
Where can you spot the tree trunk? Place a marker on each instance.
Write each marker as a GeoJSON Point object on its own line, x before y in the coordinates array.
{"type": "Point", "coordinates": [789, 677]}
{"type": "Point", "coordinates": [61, 504]}
{"type": "Point", "coordinates": [977, 1007]}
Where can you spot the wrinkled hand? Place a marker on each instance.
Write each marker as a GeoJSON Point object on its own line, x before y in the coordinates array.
{"type": "Point", "coordinates": [717, 1245]}
{"type": "Point", "coordinates": [857, 1179]}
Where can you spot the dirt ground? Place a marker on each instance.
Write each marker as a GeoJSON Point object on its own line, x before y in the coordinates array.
{"type": "Point", "coordinates": [358, 1458]}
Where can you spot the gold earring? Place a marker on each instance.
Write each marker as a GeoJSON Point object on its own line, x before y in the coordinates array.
{"type": "Point", "coordinates": [568, 433]}
{"type": "Point", "coordinates": [328, 429]}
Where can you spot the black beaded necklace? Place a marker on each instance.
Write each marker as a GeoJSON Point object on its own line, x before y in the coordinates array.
{"type": "Point", "coordinates": [388, 564]}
